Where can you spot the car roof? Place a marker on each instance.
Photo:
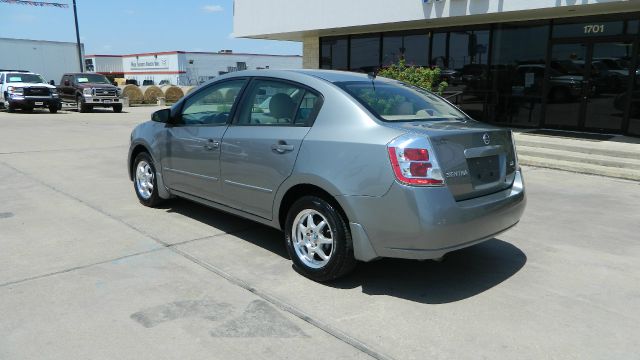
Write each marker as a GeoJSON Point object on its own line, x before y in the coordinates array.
{"type": "Point", "coordinates": [332, 76]}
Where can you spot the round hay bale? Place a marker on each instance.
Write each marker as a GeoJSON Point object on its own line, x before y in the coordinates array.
{"type": "Point", "coordinates": [151, 94]}
{"type": "Point", "coordinates": [132, 92]}
{"type": "Point", "coordinates": [187, 89]}
{"type": "Point", "coordinates": [172, 93]}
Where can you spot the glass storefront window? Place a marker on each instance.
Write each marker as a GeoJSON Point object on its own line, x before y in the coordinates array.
{"type": "Point", "coordinates": [633, 26]}
{"type": "Point", "coordinates": [414, 48]}
{"type": "Point", "coordinates": [634, 99]}
{"type": "Point", "coordinates": [333, 53]}
{"type": "Point", "coordinates": [588, 29]}
{"type": "Point", "coordinates": [518, 68]}
{"type": "Point", "coordinates": [365, 53]}
{"type": "Point", "coordinates": [439, 50]}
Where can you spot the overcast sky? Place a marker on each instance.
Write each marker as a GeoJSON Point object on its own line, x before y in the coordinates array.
{"type": "Point", "coordinates": [125, 26]}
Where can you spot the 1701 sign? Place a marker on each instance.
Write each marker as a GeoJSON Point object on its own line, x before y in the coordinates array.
{"type": "Point", "coordinates": [594, 29]}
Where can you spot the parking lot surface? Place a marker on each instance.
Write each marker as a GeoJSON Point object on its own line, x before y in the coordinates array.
{"type": "Point", "coordinates": [86, 272]}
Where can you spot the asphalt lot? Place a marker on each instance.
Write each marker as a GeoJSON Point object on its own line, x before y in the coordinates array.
{"type": "Point", "coordinates": [86, 272]}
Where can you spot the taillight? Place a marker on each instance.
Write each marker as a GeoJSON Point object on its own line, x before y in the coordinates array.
{"type": "Point", "coordinates": [413, 162]}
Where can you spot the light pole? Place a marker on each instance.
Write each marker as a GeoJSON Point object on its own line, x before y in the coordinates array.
{"type": "Point", "coordinates": [75, 15]}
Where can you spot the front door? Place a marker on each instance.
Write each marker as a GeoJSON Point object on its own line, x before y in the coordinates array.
{"type": "Point", "coordinates": [192, 160]}
{"type": "Point", "coordinates": [585, 84]}
{"type": "Point", "coordinates": [259, 149]}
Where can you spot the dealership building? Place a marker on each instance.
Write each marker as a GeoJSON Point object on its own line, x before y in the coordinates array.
{"type": "Point", "coordinates": [183, 67]}
{"type": "Point", "coordinates": [563, 64]}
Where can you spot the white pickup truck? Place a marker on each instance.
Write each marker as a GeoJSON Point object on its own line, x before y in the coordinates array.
{"type": "Point", "coordinates": [26, 90]}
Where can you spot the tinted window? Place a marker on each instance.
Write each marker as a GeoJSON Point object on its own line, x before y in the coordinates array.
{"type": "Point", "coordinates": [272, 102]}
{"type": "Point", "coordinates": [414, 48]}
{"type": "Point", "coordinates": [365, 53]}
{"type": "Point", "coordinates": [439, 50]}
{"type": "Point", "coordinates": [398, 102]}
{"type": "Point", "coordinates": [518, 69]}
{"type": "Point", "coordinates": [212, 105]}
{"type": "Point", "coordinates": [334, 53]}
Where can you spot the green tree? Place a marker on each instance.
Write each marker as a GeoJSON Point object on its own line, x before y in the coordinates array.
{"type": "Point", "coordinates": [423, 77]}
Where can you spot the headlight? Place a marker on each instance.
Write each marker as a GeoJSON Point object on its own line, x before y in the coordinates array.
{"type": "Point", "coordinates": [118, 92]}
{"type": "Point", "coordinates": [54, 91]}
{"type": "Point", "coordinates": [87, 91]}
{"type": "Point", "coordinates": [15, 90]}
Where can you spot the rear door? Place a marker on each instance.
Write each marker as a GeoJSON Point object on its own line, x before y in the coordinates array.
{"type": "Point", "coordinates": [192, 158]}
{"type": "Point", "coordinates": [260, 147]}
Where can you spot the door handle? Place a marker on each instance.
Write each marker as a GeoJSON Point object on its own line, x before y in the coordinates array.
{"type": "Point", "coordinates": [212, 144]}
{"type": "Point", "coordinates": [281, 147]}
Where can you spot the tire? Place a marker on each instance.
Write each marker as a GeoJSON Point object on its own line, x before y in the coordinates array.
{"type": "Point", "coordinates": [333, 240]}
{"type": "Point", "coordinates": [27, 109]}
{"type": "Point", "coordinates": [81, 105]}
{"type": "Point", "coordinates": [117, 108]}
{"type": "Point", "coordinates": [53, 108]}
{"type": "Point", "coordinates": [144, 174]}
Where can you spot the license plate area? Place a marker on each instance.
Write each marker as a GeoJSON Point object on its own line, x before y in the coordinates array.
{"type": "Point", "coordinates": [39, 103]}
{"type": "Point", "coordinates": [484, 170]}
{"type": "Point", "coordinates": [107, 101]}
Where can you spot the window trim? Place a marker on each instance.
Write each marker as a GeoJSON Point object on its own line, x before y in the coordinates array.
{"type": "Point", "coordinates": [178, 112]}
{"type": "Point", "coordinates": [252, 83]}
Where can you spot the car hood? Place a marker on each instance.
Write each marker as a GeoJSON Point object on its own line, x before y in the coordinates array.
{"type": "Point", "coordinates": [23, 85]}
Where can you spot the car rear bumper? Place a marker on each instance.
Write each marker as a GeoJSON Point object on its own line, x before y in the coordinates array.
{"type": "Point", "coordinates": [426, 222]}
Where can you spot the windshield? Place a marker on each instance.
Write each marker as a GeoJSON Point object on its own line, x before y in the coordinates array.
{"type": "Point", "coordinates": [92, 78]}
{"type": "Point", "coordinates": [24, 78]}
{"type": "Point", "coordinates": [400, 102]}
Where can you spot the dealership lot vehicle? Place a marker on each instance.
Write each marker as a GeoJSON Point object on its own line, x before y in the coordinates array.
{"type": "Point", "coordinates": [25, 90]}
{"type": "Point", "coordinates": [349, 167]}
{"type": "Point", "coordinates": [88, 90]}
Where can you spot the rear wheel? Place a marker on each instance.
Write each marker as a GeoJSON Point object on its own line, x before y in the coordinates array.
{"type": "Point", "coordinates": [117, 108]}
{"type": "Point", "coordinates": [53, 108]}
{"type": "Point", "coordinates": [144, 180]}
{"type": "Point", "coordinates": [318, 239]}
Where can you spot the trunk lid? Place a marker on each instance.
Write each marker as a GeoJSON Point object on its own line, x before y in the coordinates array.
{"type": "Point", "coordinates": [476, 159]}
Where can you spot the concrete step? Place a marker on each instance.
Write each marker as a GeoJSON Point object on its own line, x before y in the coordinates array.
{"type": "Point", "coordinates": [582, 148]}
{"type": "Point", "coordinates": [585, 168]}
{"type": "Point", "coordinates": [580, 157]}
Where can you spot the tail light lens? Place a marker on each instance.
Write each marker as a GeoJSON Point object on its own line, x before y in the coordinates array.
{"type": "Point", "coordinates": [413, 162]}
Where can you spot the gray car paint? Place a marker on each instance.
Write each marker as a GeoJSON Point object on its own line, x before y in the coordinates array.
{"type": "Point", "coordinates": [345, 154]}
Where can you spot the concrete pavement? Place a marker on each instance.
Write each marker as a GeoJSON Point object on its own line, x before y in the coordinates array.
{"type": "Point", "coordinates": [87, 272]}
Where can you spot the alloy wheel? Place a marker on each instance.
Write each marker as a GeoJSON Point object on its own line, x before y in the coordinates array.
{"type": "Point", "coordinates": [144, 179]}
{"type": "Point", "coordinates": [312, 238]}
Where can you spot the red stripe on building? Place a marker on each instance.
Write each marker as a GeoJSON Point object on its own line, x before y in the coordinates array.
{"type": "Point", "coordinates": [154, 72]}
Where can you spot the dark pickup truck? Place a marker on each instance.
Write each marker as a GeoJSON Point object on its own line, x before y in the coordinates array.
{"type": "Point", "coordinates": [89, 90]}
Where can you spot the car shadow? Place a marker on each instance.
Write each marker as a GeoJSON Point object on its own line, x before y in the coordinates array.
{"type": "Point", "coordinates": [462, 274]}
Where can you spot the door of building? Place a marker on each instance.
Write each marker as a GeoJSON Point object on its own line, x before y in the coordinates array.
{"type": "Point", "coordinates": [586, 84]}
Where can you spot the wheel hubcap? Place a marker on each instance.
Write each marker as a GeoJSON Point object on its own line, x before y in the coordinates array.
{"type": "Point", "coordinates": [144, 179]}
{"type": "Point", "coordinates": [312, 238]}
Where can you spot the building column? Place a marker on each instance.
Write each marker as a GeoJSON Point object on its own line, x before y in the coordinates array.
{"type": "Point", "coordinates": [311, 53]}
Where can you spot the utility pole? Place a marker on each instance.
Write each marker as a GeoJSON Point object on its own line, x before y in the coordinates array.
{"type": "Point", "coordinates": [75, 15]}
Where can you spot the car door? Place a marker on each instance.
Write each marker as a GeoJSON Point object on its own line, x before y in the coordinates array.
{"type": "Point", "coordinates": [192, 158]}
{"type": "Point", "coordinates": [260, 147]}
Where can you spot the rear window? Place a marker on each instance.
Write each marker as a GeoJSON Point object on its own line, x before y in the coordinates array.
{"type": "Point", "coordinates": [400, 102]}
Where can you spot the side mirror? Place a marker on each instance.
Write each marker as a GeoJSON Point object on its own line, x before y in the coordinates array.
{"type": "Point", "coordinates": [67, 83]}
{"type": "Point", "coordinates": [162, 116]}
{"type": "Point", "coordinates": [51, 82]}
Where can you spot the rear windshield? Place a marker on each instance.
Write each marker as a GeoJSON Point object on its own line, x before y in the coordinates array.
{"type": "Point", "coordinates": [400, 102]}
{"type": "Point", "coordinates": [92, 78]}
{"type": "Point", "coordinates": [24, 78]}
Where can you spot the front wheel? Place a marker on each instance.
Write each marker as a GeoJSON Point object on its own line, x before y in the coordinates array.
{"type": "Point", "coordinates": [117, 108]}
{"type": "Point", "coordinates": [144, 180]}
{"type": "Point", "coordinates": [318, 239]}
{"type": "Point", "coordinates": [53, 108]}
{"type": "Point", "coordinates": [81, 105]}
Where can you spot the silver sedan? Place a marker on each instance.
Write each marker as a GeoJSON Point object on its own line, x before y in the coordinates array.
{"type": "Point", "coordinates": [350, 167]}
